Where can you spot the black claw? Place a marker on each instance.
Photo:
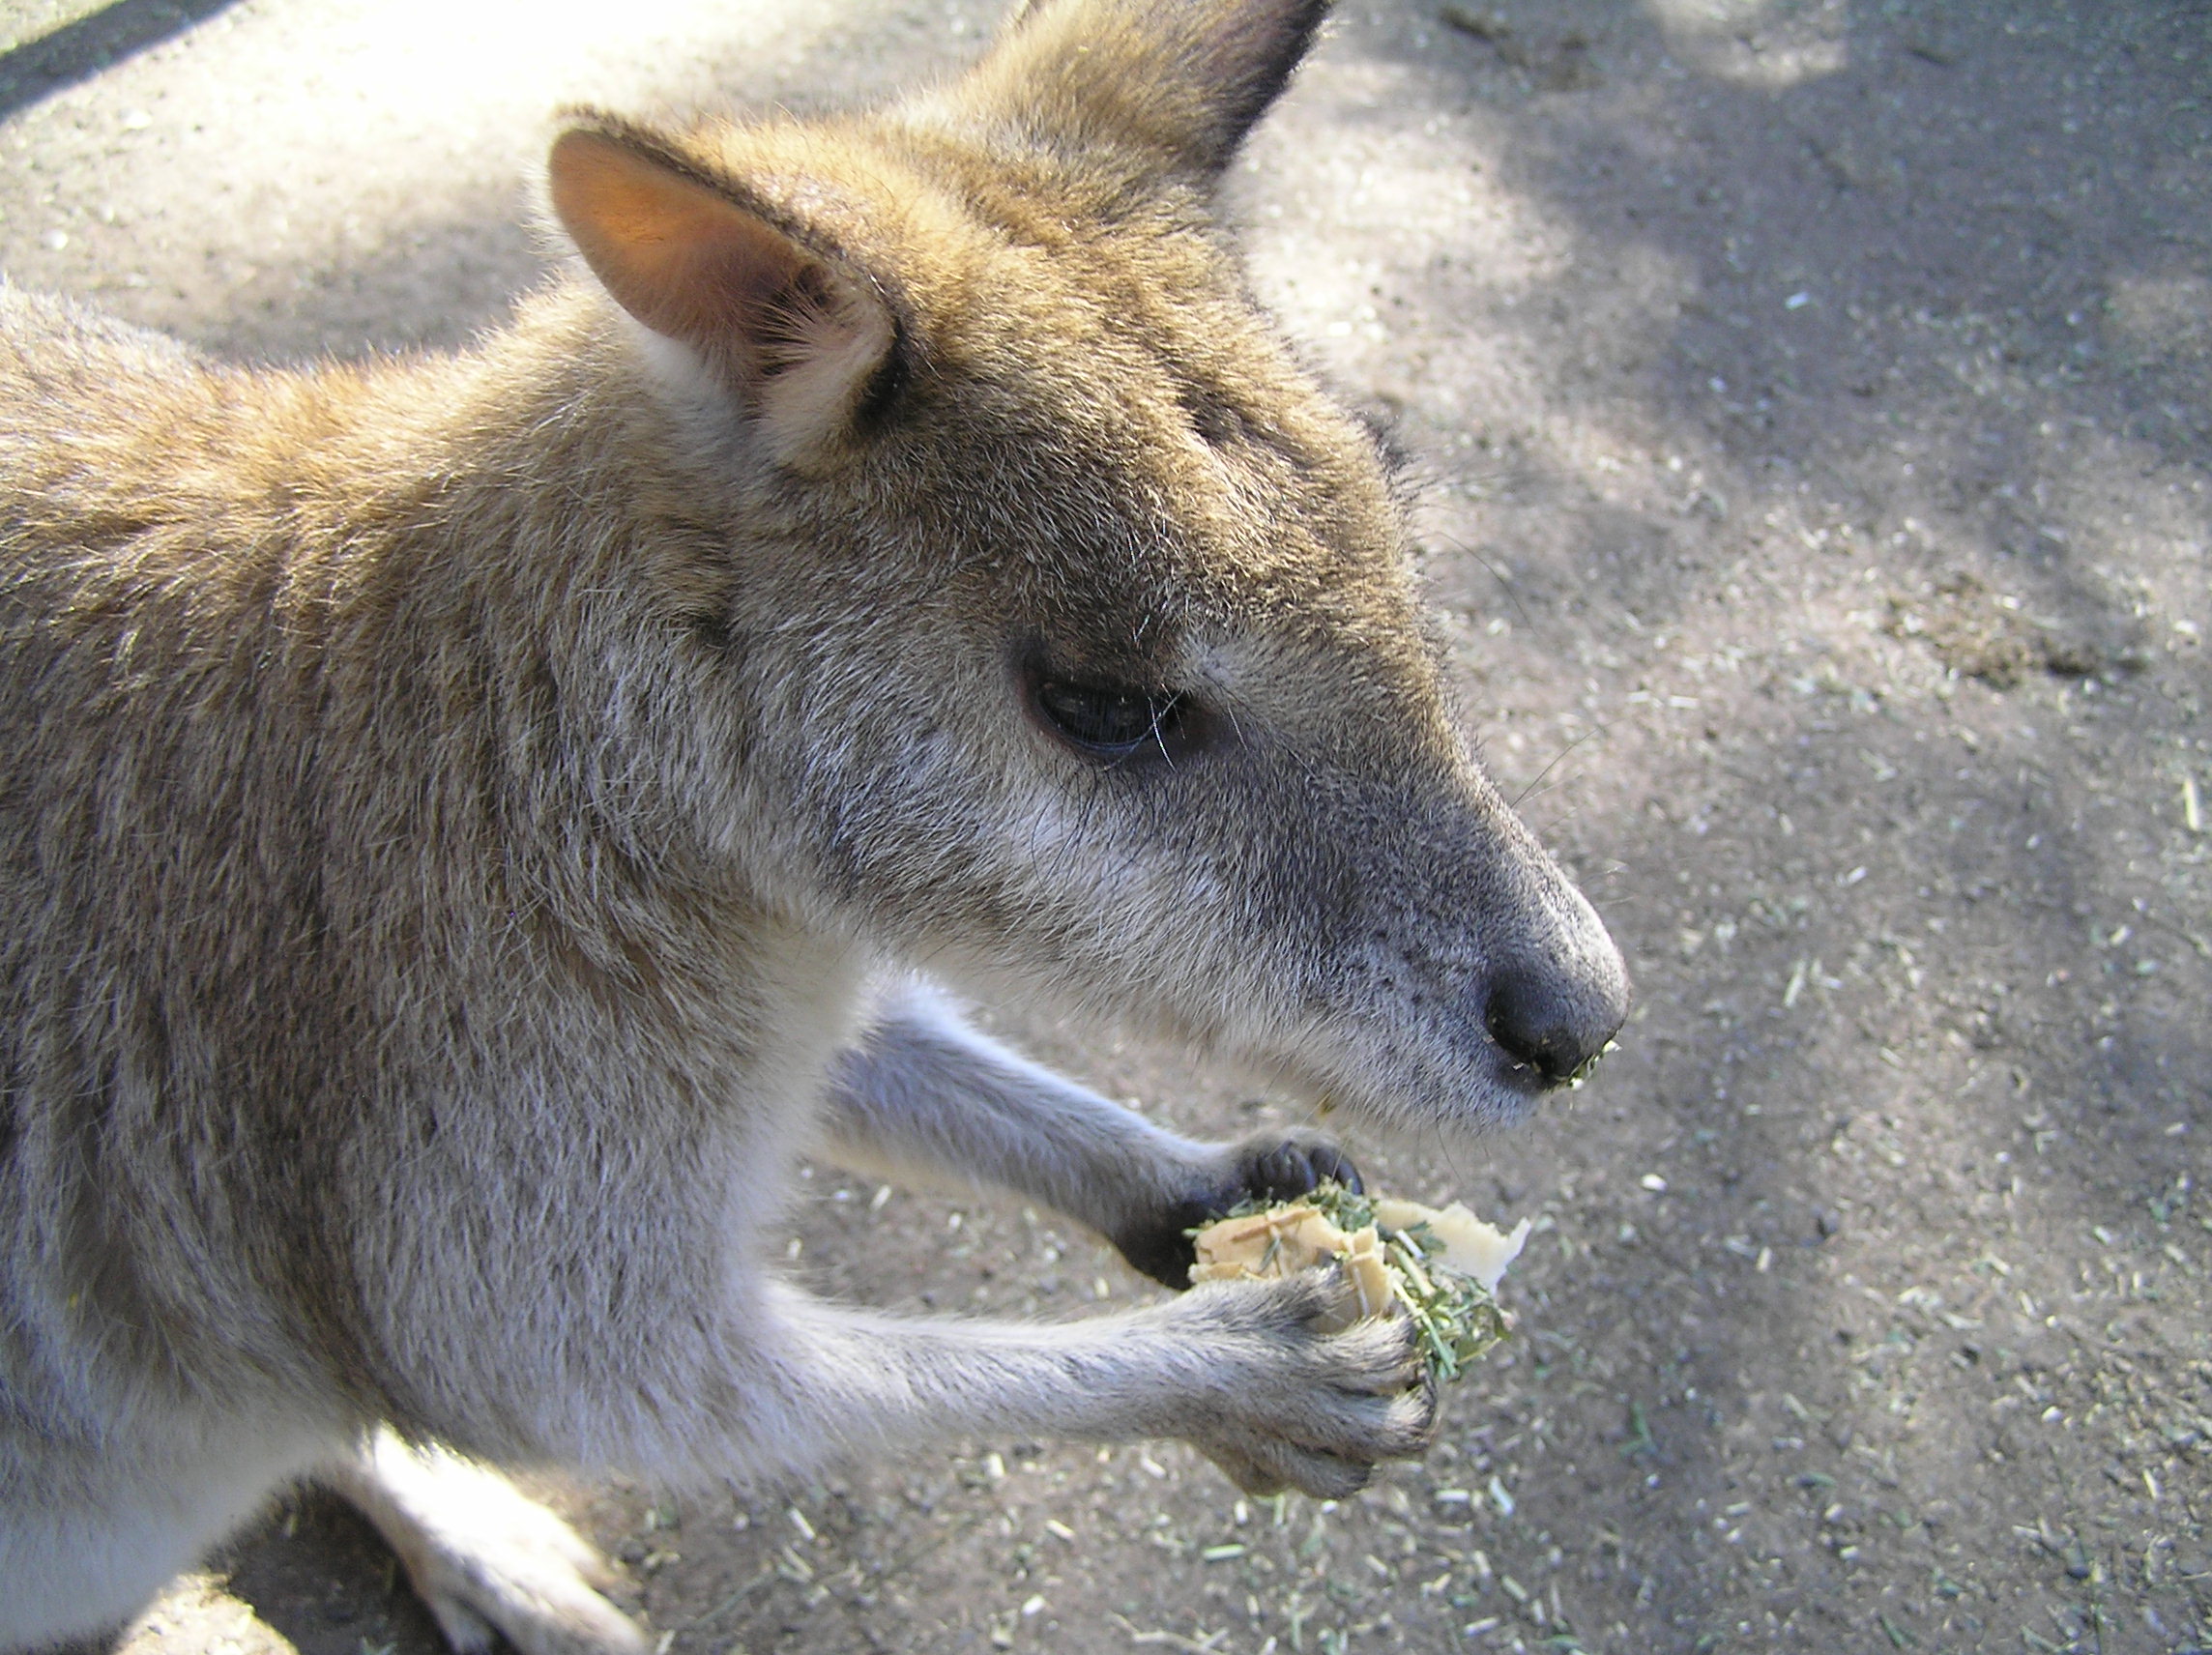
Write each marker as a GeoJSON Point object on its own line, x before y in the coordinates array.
{"type": "Point", "coordinates": [1295, 1168]}
{"type": "Point", "coordinates": [1431, 1403]}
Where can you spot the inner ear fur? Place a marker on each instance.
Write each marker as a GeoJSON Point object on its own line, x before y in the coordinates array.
{"type": "Point", "coordinates": [1184, 79]}
{"type": "Point", "coordinates": [792, 331]}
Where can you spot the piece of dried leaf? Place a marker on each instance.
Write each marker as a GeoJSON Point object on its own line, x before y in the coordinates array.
{"type": "Point", "coordinates": [1472, 1247]}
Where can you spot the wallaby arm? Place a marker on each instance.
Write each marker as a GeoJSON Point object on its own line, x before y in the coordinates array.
{"type": "Point", "coordinates": [787, 1384]}
{"type": "Point", "coordinates": [923, 1092]}
{"type": "Point", "coordinates": [730, 1372]}
{"type": "Point", "coordinates": [1237, 1369]}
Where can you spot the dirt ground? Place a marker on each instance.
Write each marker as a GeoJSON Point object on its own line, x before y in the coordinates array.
{"type": "Point", "coordinates": [1810, 404]}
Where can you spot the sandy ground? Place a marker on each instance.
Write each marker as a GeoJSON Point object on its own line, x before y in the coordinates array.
{"type": "Point", "coordinates": [1812, 407]}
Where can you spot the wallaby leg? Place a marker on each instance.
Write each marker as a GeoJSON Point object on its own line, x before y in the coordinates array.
{"type": "Point", "coordinates": [483, 1556]}
{"type": "Point", "coordinates": [923, 1092]}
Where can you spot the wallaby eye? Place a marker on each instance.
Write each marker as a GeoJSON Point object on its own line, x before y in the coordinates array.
{"type": "Point", "coordinates": [1106, 719]}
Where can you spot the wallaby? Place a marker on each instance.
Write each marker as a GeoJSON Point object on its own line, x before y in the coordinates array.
{"type": "Point", "coordinates": [470, 823]}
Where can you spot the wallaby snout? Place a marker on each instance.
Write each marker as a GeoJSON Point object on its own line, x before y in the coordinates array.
{"type": "Point", "coordinates": [1554, 1001]}
{"type": "Point", "coordinates": [1554, 1022]}
{"type": "Point", "coordinates": [1550, 989]}
{"type": "Point", "coordinates": [1483, 981]}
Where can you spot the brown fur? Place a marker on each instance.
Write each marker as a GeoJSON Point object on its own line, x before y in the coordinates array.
{"type": "Point", "coordinates": [453, 807]}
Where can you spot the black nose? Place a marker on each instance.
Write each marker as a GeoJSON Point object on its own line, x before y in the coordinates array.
{"type": "Point", "coordinates": [1553, 1019]}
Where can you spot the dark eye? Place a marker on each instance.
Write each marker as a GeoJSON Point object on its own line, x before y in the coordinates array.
{"type": "Point", "coordinates": [1108, 720]}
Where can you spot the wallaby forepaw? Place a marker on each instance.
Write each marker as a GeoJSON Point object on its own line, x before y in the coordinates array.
{"type": "Point", "coordinates": [1247, 1473]}
{"type": "Point", "coordinates": [1265, 1167]}
{"type": "Point", "coordinates": [1301, 1408]}
{"type": "Point", "coordinates": [484, 1557]}
{"type": "Point", "coordinates": [1264, 1471]}
{"type": "Point", "coordinates": [1269, 1471]}
{"type": "Point", "coordinates": [1282, 1166]}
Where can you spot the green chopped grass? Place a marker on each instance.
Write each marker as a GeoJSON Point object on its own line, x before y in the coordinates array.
{"type": "Point", "coordinates": [1457, 1320]}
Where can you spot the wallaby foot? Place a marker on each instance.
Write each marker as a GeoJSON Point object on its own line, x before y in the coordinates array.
{"type": "Point", "coordinates": [484, 1557]}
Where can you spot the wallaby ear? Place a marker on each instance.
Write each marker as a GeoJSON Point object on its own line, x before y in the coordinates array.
{"type": "Point", "coordinates": [794, 335]}
{"type": "Point", "coordinates": [1185, 80]}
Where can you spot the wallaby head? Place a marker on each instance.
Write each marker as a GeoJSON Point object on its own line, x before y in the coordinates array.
{"type": "Point", "coordinates": [1067, 644]}
{"type": "Point", "coordinates": [451, 807]}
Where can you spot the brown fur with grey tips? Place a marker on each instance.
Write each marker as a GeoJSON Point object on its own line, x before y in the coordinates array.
{"type": "Point", "coordinates": [455, 810]}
